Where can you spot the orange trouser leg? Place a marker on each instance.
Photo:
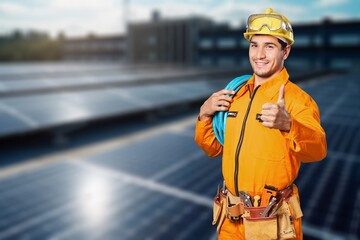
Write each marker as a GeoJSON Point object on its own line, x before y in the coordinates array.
{"type": "Point", "coordinates": [231, 231]}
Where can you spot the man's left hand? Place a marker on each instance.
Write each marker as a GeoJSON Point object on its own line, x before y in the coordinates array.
{"type": "Point", "coordinates": [275, 115]}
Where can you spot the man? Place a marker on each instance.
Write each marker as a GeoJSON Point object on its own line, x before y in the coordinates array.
{"type": "Point", "coordinates": [273, 127]}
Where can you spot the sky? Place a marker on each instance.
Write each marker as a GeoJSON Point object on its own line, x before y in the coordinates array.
{"type": "Point", "coordinates": [76, 18]}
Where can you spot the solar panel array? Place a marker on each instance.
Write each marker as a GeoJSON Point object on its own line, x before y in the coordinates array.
{"type": "Point", "coordinates": [25, 112]}
{"type": "Point", "coordinates": [58, 78]}
{"type": "Point", "coordinates": [157, 184]}
{"type": "Point", "coordinates": [331, 188]}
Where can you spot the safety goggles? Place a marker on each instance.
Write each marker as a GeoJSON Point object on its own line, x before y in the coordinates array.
{"type": "Point", "coordinates": [273, 22]}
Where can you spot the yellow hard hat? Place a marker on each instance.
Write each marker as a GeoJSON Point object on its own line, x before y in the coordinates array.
{"type": "Point", "coordinates": [269, 23]}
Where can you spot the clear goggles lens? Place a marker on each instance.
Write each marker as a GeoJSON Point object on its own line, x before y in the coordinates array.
{"type": "Point", "coordinates": [271, 21]}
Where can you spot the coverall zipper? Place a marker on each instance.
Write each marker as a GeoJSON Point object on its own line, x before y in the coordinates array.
{"type": "Point", "coordinates": [236, 174]}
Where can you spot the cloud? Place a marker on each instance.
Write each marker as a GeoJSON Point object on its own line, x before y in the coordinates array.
{"type": "Point", "coordinates": [224, 11]}
{"type": "Point", "coordinates": [75, 18]}
{"type": "Point", "coordinates": [80, 17]}
{"type": "Point", "coordinates": [84, 5]}
{"type": "Point", "coordinates": [10, 8]}
{"type": "Point", "coordinates": [237, 13]}
{"type": "Point", "coordinates": [221, 11]}
{"type": "Point", "coordinates": [327, 3]}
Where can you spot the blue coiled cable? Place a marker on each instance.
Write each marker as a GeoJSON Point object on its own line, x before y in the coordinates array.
{"type": "Point", "coordinates": [219, 119]}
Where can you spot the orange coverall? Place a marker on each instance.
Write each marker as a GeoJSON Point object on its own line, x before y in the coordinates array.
{"type": "Point", "coordinates": [264, 155]}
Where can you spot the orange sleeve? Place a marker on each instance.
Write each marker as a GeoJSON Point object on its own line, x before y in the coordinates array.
{"type": "Point", "coordinates": [205, 138]}
{"type": "Point", "coordinates": [307, 139]}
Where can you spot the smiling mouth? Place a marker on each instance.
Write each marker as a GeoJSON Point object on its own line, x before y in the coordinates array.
{"type": "Point", "coordinates": [261, 64]}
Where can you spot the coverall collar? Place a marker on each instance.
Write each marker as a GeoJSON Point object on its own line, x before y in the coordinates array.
{"type": "Point", "coordinates": [270, 88]}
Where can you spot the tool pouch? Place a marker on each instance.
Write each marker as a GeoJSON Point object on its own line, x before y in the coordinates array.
{"type": "Point", "coordinates": [234, 208]}
{"type": "Point", "coordinates": [219, 210]}
{"type": "Point", "coordinates": [216, 209]}
{"type": "Point", "coordinates": [286, 228]}
{"type": "Point", "coordinates": [259, 228]}
{"type": "Point", "coordinates": [295, 207]}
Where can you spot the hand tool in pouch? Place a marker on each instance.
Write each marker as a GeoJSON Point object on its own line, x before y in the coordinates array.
{"type": "Point", "coordinates": [272, 202]}
{"type": "Point", "coordinates": [256, 200]}
{"type": "Point", "coordinates": [245, 198]}
{"type": "Point", "coordinates": [276, 208]}
{"type": "Point", "coordinates": [267, 193]}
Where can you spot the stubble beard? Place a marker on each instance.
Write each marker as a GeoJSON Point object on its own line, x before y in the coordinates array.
{"type": "Point", "coordinates": [263, 73]}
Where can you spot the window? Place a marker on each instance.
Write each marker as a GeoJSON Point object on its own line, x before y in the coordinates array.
{"type": "Point", "coordinates": [226, 43]}
{"type": "Point", "coordinates": [342, 63]}
{"type": "Point", "coordinates": [206, 43]}
{"type": "Point", "coordinates": [206, 61]}
{"type": "Point", "coordinates": [302, 41]}
{"type": "Point", "coordinates": [151, 40]}
{"type": "Point", "coordinates": [226, 61]}
{"type": "Point", "coordinates": [345, 40]}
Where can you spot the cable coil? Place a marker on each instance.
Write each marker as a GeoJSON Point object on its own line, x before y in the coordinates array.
{"type": "Point", "coordinates": [219, 119]}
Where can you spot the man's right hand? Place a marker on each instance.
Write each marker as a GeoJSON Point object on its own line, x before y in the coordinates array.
{"type": "Point", "coordinates": [218, 101]}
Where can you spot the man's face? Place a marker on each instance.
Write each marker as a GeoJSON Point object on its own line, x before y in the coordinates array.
{"type": "Point", "coordinates": [266, 56]}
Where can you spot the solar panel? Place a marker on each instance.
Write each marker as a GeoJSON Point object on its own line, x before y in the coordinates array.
{"type": "Point", "coordinates": [160, 185]}
{"type": "Point", "coordinates": [33, 81]}
{"type": "Point", "coordinates": [10, 123]}
{"type": "Point", "coordinates": [53, 109]}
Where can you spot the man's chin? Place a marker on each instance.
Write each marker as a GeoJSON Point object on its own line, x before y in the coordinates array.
{"type": "Point", "coordinates": [262, 74]}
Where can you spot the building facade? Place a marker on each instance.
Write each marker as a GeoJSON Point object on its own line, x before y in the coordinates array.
{"type": "Point", "coordinates": [317, 45]}
{"type": "Point", "coordinates": [95, 48]}
{"type": "Point", "coordinates": [199, 41]}
{"type": "Point", "coordinates": [165, 41]}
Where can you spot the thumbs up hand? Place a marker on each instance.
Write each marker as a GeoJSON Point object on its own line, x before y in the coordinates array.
{"type": "Point", "coordinates": [274, 115]}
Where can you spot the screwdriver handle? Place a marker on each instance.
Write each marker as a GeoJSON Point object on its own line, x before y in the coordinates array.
{"type": "Point", "coordinates": [256, 200]}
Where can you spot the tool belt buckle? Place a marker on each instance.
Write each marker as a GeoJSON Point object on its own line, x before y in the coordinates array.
{"type": "Point", "coordinates": [286, 193]}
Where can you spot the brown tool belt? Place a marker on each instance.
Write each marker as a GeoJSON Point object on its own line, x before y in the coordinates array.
{"type": "Point", "coordinates": [271, 209]}
{"type": "Point", "coordinates": [236, 204]}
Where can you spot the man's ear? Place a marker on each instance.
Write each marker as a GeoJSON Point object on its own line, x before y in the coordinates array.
{"type": "Point", "coordinates": [286, 52]}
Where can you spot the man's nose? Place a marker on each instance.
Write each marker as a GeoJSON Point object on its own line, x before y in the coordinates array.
{"type": "Point", "coordinates": [260, 54]}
